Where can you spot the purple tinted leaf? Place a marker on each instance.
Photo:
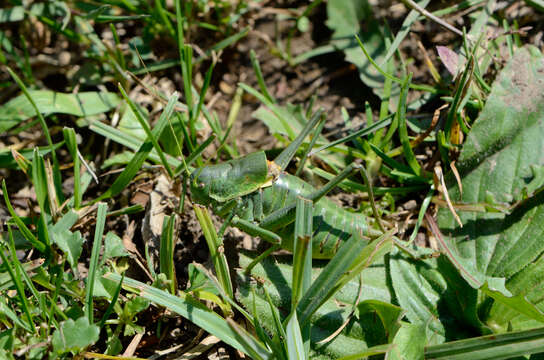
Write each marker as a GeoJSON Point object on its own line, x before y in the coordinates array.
{"type": "Point", "coordinates": [449, 58]}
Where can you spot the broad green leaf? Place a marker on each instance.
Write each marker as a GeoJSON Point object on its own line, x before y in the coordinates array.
{"type": "Point", "coordinates": [289, 120]}
{"type": "Point", "coordinates": [66, 222]}
{"type": "Point", "coordinates": [74, 335]}
{"type": "Point", "coordinates": [363, 331]}
{"type": "Point", "coordinates": [136, 305]}
{"type": "Point", "coordinates": [71, 243]}
{"type": "Point", "coordinates": [198, 281]}
{"type": "Point", "coordinates": [388, 314]}
{"type": "Point", "coordinates": [121, 158]}
{"type": "Point", "coordinates": [129, 123]}
{"type": "Point", "coordinates": [347, 18]}
{"type": "Point", "coordinates": [50, 9]}
{"type": "Point", "coordinates": [281, 120]}
{"type": "Point", "coordinates": [423, 292]}
{"type": "Point", "coordinates": [498, 162]}
{"type": "Point", "coordinates": [11, 14]}
{"type": "Point", "coordinates": [82, 104]}
{"type": "Point", "coordinates": [409, 343]}
{"type": "Point", "coordinates": [113, 247]}
{"type": "Point", "coordinates": [103, 287]}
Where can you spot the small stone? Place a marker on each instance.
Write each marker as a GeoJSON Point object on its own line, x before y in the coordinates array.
{"type": "Point", "coordinates": [410, 205]}
{"type": "Point", "coordinates": [64, 58]}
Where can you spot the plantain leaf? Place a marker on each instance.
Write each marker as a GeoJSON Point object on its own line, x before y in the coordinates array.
{"type": "Point", "coordinates": [82, 104]}
{"type": "Point", "coordinates": [409, 343]}
{"type": "Point", "coordinates": [422, 290]}
{"type": "Point", "coordinates": [500, 162]}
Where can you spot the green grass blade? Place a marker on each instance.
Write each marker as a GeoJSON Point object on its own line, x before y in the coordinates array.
{"type": "Point", "coordinates": [148, 132]}
{"type": "Point", "coordinates": [166, 252]}
{"type": "Point", "coordinates": [260, 78]}
{"type": "Point", "coordinates": [426, 88]}
{"type": "Point", "coordinates": [40, 246]}
{"type": "Point", "coordinates": [224, 43]}
{"type": "Point", "coordinates": [203, 91]}
{"type": "Point", "coordinates": [353, 186]}
{"type": "Point", "coordinates": [7, 311]}
{"type": "Point", "coordinates": [144, 150]}
{"type": "Point", "coordinates": [403, 130]}
{"type": "Point", "coordinates": [410, 19]}
{"type": "Point", "coordinates": [39, 179]}
{"type": "Point", "coordinates": [283, 159]}
{"type": "Point", "coordinates": [421, 215]}
{"type": "Point", "coordinates": [357, 134]}
{"type": "Point", "coordinates": [199, 150]}
{"type": "Point", "coordinates": [273, 344]}
{"type": "Point", "coordinates": [166, 64]}
{"type": "Point", "coordinates": [179, 27]}
{"type": "Point", "coordinates": [93, 263]}
{"type": "Point", "coordinates": [250, 344]}
{"type": "Point", "coordinates": [295, 344]}
{"type": "Point", "coordinates": [537, 4]}
{"type": "Point", "coordinates": [129, 141]}
{"type": "Point", "coordinates": [401, 171]}
{"type": "Point", "coordinates": [302, 254]}
{"type": "Point", "coordinates": [82, 104]}
{"type": "Point", "coordinates": [113, 301]}
{"type": "Point", "coordinates": [15, 275]}
{"type": "Point", "coordinates": [163, 15]}
{"type": "Point", "coordinates": [352, 257]}
{"type": "Point", "coordinates": [279, 331]}
{"type": "Point", "coordinates": [21, 273]}
{"type": "Point", "coordinates": [71, 144]}
{"type": "Point", "coordinates": [496, 346]}
{"type": "Point", "coordinates": [45, 128]}
{"type": "Point", "coordinates": [214, 245]}
{"type": "Point", "coordinates": [374, 350]}
{"type": "Point", "coordinates": [193, 311]}
{"type": "Point", "coordinates": [319, 291]}
{"type": "Point", "coordinates": [133, 209]}
{"type": "Point", "coordinates": [186, 56]}
{"type": "Point", "coordinates": [310, 146]}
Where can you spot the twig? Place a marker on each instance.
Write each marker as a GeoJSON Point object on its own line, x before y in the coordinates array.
{"type": "Point", "coordinates": [422, 11]}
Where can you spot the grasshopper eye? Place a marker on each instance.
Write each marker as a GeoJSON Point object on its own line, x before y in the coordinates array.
{"type": "Point", "coordinates": [202, 185]}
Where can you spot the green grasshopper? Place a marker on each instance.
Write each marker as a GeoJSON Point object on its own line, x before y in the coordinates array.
{"type": "Point", "coordinates": [259, 197]}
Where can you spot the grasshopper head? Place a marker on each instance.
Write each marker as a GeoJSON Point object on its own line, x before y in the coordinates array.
{"type": "Point", "coordinates": [229, 180]}
{"type": "Point", "coordinates": [202, 183]}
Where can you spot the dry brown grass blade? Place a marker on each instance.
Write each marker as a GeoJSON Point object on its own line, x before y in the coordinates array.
{"type": "Point", "coordinates": [457, 176]}
{"type": "Point", "coordinates": [444, 190]}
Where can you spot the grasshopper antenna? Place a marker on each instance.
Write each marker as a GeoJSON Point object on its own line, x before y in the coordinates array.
{"type": "Point", "coordinates": [283, 159]}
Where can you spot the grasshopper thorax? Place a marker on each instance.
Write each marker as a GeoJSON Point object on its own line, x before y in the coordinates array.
{"type": "Point", "coordinates": [231, 179]}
